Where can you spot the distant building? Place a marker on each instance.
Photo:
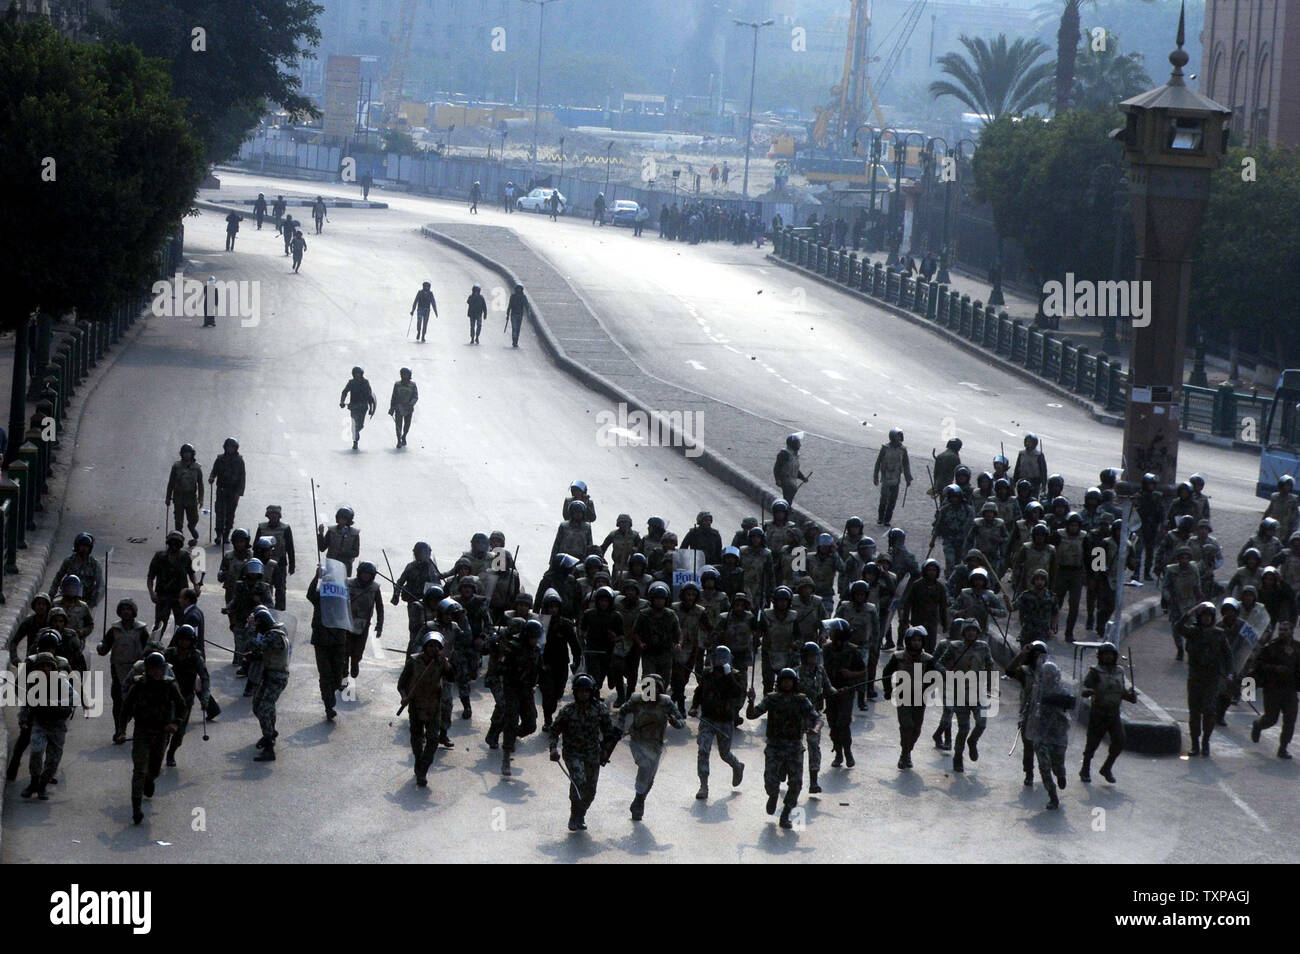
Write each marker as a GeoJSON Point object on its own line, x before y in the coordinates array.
{"type": "Point", "coordinates": [68, 16]}
{"type": "Point", "coordinates": [1252, 57]}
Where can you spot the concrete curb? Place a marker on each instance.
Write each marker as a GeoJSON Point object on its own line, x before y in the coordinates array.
{"type": "Point", "coordinates": [1097, 413]}
{"type": "Point", "coordinates": [711, 461]}
{"type": "Point", "coordinates": [308, 203]}
{"type": "Point", "coordinates": [40, 542]}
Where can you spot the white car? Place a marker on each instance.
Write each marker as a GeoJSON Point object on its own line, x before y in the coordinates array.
{"type": "Point", "coordinates": [538, 201]}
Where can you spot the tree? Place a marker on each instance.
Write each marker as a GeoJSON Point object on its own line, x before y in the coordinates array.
{"type": "Point", "coordinates": [1052, 187]}
{"type": "Point", "coordinates": [1067, 51]}
{"type": "Point", "coordinates": [997, 79]}
{"type": "Point", "coordinates": [244, 57]}
{"type": "Point", "coordinates": [1245, 264]}
{"type": "Point", "coordinates": [104, 164]}
{"type": "Point", "coordinates": [1105, 77]}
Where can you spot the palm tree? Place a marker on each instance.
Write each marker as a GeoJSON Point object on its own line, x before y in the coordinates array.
{"type": "Point", "coordinates": [1103, 78]}
{"type": "Point", "coordinates": [996, 78]}
{"type": "Point", "coordinates": [1067, 50]}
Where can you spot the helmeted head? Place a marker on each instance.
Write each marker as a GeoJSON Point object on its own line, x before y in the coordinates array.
{"type": "Point", "coordinates": [794, 441]}
{"type": "Point", "coordinates": [811, 652]}
{"type": "Point", "coordinates": [1251, 558]}
{"type": "Point", "coordinates": [658, 594]}
{"type": "Point", "coordinates": [344, 515]}
{"type": "Point", "coordinates": [186, 636]}
{"type": "Point", "coordinates": [263, 619]}
{"type": "Point", "coordinates": [1204, 613]}
{"type": "Point", "coordinates": [1230, 608]}
{"type": "Point", "coordinates": [722, 658]}
{"type": "Point", "coordinates": [787, 680]}
{"type": "Point", "coordinates": [931, 570]}
{"type": "Point", "coordinates": [825, 541]}
{"type": "Point", "coordinates": [57, 617]}
{"type": "Point", "coordinates": [655, 525]}
{"type": "Point", "coordinates": [551, 602]}
{"type": "Point", "coordinates": [896, 536]}
{"type": "Point", "coordinates": [577, 511]}
{"type": "Point", "coordinates": [1024, 488]}
{"type": "Point", "coordinates": [834, 629]}
{"type": "Point", "coordinates": [155, 665]}
{"type": "Point", "coordinates": [564, 563]}
{"type": "Point", "coordinates": [253, 569]}
{"type": "Point", "coordinates": [970, 629]}
{"type": "Point", "coordinates": [584, 687]}
{"type": "Point", "coordinates": [1031, 441]}
{"type": "Point", "coordinates": [175, 539]}
{"type": "Point", "coordinates": [914, 638]}
{"type": "Point", "coordinates": [1108, 654]}
{"type": "Point", "coordinates": [230, 444]}
{"type": "Point", "coordinates": [954, 444]}
{"type": "Point", "coordinates": [1039, 533]}
{"type": "Point", "coordinates": [49, 641]}
{"type": "Point", "coordinates": [782, 594]}
{"type": "Point", "coordinates": [274, 512]}
{"type": "Point", "coordinates": [41, 604]}
{"type": "Point", "coordinates": [979, 579]}
{"type": "Point", "coordinates": [756, 537]}
{"type": "Point", "coordinates": [704, 518]}
{"type": "Point", "coordinates": [895, 435]}
{"type": "Point", "coordinates": [187, 451]}
{"type": "Point", "coordinates": [1038, 579]}
{"type": "Point", "coordinates": [71, 585]}
{"type": "Point", "coordinates": [83, 543]}
{"type": "Point", "coordinates": [989, 511]}
{"type": "Point", "coordinates": [689, 593]}
{"type": "Point", "coordinates": [358, 372]}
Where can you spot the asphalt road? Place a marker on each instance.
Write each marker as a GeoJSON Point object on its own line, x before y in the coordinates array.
{"type": "Point", "coordinates": [497, 438]}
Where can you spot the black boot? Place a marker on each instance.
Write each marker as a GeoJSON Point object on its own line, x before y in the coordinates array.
{"type": "Point", "coordinates": [465, 712]}
{"type": "Point", "coordinates": [1085, 773]}
{"type": "Point", "coordinates": [848, 755]}
{"type": "Point", "coordinates": [1106, 772]}
{"type": "Point", "coordinates": [638, 807]}
{"type": "Point", "coordinates": [268, 751]}
{"type": "Point", "coordinates": [839, 758]}
{"type": "Point", "coordinates": [445, 742]}
{"type": "Point", "coordinates": [813, 787]}
{"type": "Point", "coordinates": [137, 812]}
{"type": "Point", "coordinates": [784, 821]}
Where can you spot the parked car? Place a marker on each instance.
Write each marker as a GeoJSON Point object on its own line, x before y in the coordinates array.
{"type": "Point", "coordinates": [624, 212]}
{"type": "Point", "coordinates": [536, 201]}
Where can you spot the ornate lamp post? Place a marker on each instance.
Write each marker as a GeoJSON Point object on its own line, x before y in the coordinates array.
{"type": "Point", "coordinates": [1174, 138]}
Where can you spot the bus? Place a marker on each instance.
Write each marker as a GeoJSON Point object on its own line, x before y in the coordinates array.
{"type": "Point", "coordinates": [1280, 444]}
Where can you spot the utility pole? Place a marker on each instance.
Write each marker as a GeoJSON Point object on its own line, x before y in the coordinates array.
{"type": "Point", "coordinates": [753, 72]}
{"type": "Point", "coordinates": [537, 93]}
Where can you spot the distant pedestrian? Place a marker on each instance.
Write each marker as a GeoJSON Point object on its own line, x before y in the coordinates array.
{"type": "Point", "coordinates": [508, 197]}
{"type": "Point", "coordinates": [420, 307]}
{"type": "Point", "coordinates": [475, 193]}
{"type": "Point", "coordinates": [298, 246]}
{"type": "Point", "coordinates": [287, 229]}
{"type": "Point", "coordinates": [232, 229]}
{"type": "Point", "coordinates": [259, 210]}
{"type": "Point", "coordinates": [367, 180]}
{"type": "Point", "coordinates": [318, 213]}
{"type": "Point", "coordinates": [359, 398]}
{"type": "Point", "coordinates": [211, 302]}
{"type": "Point", "coordinates": [277, 210]}
{"type": "Point", "coordinates": [477, 311]}
{"type": "Point", "coordinates": [553, 203]}
{"type": "Point", "coordinates": [726, 173]}
{"type": "Point", "coordinates": [598, 210]}
{"type": "Point", "coordinates": [516, 309]}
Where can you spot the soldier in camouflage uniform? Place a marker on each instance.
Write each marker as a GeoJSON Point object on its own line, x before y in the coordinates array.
{"type": "Point", "coordinates": [809, 612]}
{"type": "Point", "coordinates": [1209, 673]}
{"type": "Point", "coordinates": [365, 601]}
{"type": "Point", "coordinates": [824, 568]}
{"type": "Point", "coordinates": [1047, 720]}
{"type": "Point", "coordinates": [420, 686]}
{"type": "Point", "coordinates": [1038, 610]}
{"type": "Point", "coordinates": [716, 701]}
{"type": "Point", "coordinates": [44, 717]}
{"type": "Point", "coordinates": [271, 647]}
{"type": "Point", "coordinates": [1284, 507]}
{"type": "Point", "coordinates": [342, 541]}
{"type": "Point", "coordinates": [519, 667]}
{"type": "Point", "coordinates": [624, 540]}
{"type": "Point", "coordinates": [789, 716]}
{"type": "Point", "coordinates": [1071, 563]}
{"type": "Point", "coordinates": [945, 466]}
{"type": "Point", "coordinates": [250, 592]}
{"type": "Point", "coordinates": [231, 570]}
{"type": "Point", "coordinates": [777, 637]}
{"type": "Point", "coordinates": [417, 576]}
{"type": "Point", "coordinates": [970, 661]}
{"type": "Point", "coordinates": [401, 405]}
{"type": "Point", "coordinates": [228, 475]}
{"type": "Point", "coordinates": [1180, 591]}
{"type": "Point", "coordinates": [816, 685]}
{"type": "Point", "coordinates": [911, 663]}
{"type": "Point", "coordinates": [588, 735]}
{"type": "Point", "coordinates": [643, 719]}
{"type": "Point", "coordinates": [283, 553]}
{"type": "Point", "coordinates": [786, 472]}
{"type": "Point", "coordinates": [84, 567]}
{"type": "Point", "coordinates": [155, 704]}
{"type": "Point", "coordinates": [989, 535]}
{"type": "Point", "coordinates": [1105, 685]}
{"type": "Point", "coordinates": [925, 603]}
{"type": "Point", "coordinates": [124, 644]}
{"type": "Point", "coordinates": [191, 671]}
{"type": "Point", "coordinates": [574, 535]}
{"type": "Point", "coordinates": [952, 525]}
{"type": "Point", "coordinates": [79, 616]}
{"type": "Point", "coordinates": [695, 626]}
{"type": "Point", "coordinates": [863, 618]}
{"type": "Point", "coordinates": [1031, 465]}
{"type": "Point", "coordinates": [1034, 555]}
{"type": "Point", "coordinates": [892, 467]}
{"type": "Point", "coordinates": [756, 560]}
{"type": "Point", "coordinates": [1276, 666]}
{"type": "Point", "coordinates": [843, 663]}
{"type": "Point", "coordinates": [738, 630]}
{"type": "Point", "coordinates": [1208, 557]}
{"type": "Point", "coordinates": [656, 632]}
{"type": "Point", "coordinates": [185, 491]}
{"type": "Point", "coordinates": [578, 492]}
{"type": "Point", "coordinates": [774, 529]}
{"type": "Point", "coordinates": [1265, 542]}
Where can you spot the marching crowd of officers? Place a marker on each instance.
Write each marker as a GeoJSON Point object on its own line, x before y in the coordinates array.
{"type": "Point", "coordinates": [806, 612]}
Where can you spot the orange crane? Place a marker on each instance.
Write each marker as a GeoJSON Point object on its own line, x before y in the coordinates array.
{"type": "Point", "coordinates": [396, 77]}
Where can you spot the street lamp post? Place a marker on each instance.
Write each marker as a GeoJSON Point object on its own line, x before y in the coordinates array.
{"type": "Point", "coordinates": [537, 96]}
{"type": "Point", "coordinates": [753, 71]}
{"type": "Point", "coordinates": [1174, 138]}
{"type": "Point", "coordinates": [561, 179]}
{"type": "Point", "coordinates": [876, 137]}
{"type": "Point", "coordinates": [900, 159]}
{"type": "Point", "coordinates": [608, 155]}
{"type": "Point", "coordinates": [942, 275]}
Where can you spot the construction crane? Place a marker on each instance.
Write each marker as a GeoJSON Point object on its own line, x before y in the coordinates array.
{"type": "Point", "coordinates": [396, 79]}
{"type": "Point", "coordinates": [837, 121]}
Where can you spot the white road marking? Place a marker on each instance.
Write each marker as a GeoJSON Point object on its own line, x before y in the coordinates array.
{"type": "Point", "coordinates": [842, 411]}
{"type": "Point", "coordinates": [730, 348]}
{"type": "Point", "coordinates": [834, 375]}
{"type": "Point", "coordinates": [696, 365]}
{"type": "Point", "coordinates": [1240, 803]}
{"type": "Point", "coordinates": [629, 436]}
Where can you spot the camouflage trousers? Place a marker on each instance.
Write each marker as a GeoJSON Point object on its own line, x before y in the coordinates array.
{"type": "Point", "coordinates": [710, 730]}
{"type": "Point", "coordinates": [646, 755]}
{"type": "Point", "coordinates": [783, 762]}
{"type": "Point", "coordinates": [910, 719]}
{"type": "Point", "coordinates": [515, 715]}
{"type": "Point", "coordinates": [268, 691]}
{"type": "Point", "coordinates": [1051, 764]}
{"type": "Point", "coordinates": [243, 636]}
{"type": "Point", "coordinates": [584, 773]}
{"type": "Point", "coordinates": [182, 723]}
{"type": "Point", "coordinates": [466, 663]}
{"type": "Point", "coordinates": [46, 746]}
{"type": "Point", "coordinates": [426, 727]}
{"type": "Point", "coordinates": [146, 759]}
{"type": "Point", "coordinates": [813, 741]}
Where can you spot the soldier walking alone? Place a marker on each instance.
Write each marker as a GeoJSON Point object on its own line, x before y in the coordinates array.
{"type": "Point", "coordinates": [402, 404]}
{"type": "Point", "coordinates": [420, 307]}
{"type": "Point", "coordinates": [358, 397]}
{"type": "Point", "coordinates": [477, 311]}
{"type": "Point", "coordinates": [892, 466]}
{"type": "Point", "coordinates": [228, 475]}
